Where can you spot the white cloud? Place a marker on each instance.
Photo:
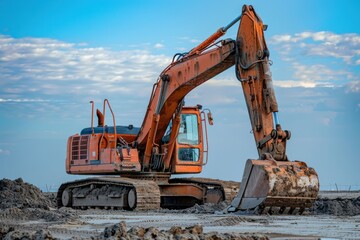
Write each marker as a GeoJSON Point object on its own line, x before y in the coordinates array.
{"type": "Point", "coordinates": [2, 100]}
{"type": "Point", "coordinates": [292, 83]}
{"type": "Point", "coordinates": [326, 121]}
{"type": "Point", "coordinates": [229, 82]}
{"type": "Point", "coordinates": [40, 71]}
{"type": "Point", "coordinates": [191, 40]}
{"type": "Point", "coordinates": [319, 58]}
{"type": "Point", "coordinates": [282, 38]}
{"type": "Point", "coordinates": [353, 87]}
{"type": "Point", "coordinates": [4, 152]}
{"type": "Point", "coordinates": [212, 98]}
{"type": "Point", "coordinates": [195, 41]}
{"type": "Point", "coordinates": [323, 44]}
{"type": "Point", "coordinates": [49, 66]}
{"type": "Point", "coordinates": [319, 72]}
{"type": "Point", "coordinates": [304, 79]}
{"type": "Point", "coordinates": [159, 45]}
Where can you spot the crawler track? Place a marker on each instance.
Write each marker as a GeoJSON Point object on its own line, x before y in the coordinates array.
{"type": "Point", "coordinates": [110, 192]}
{"type": "Point", "coordinates": [130, 193]}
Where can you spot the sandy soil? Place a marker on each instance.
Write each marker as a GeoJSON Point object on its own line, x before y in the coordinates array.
{"type": "Point", "coordinates": [93, 222]}
{"type": "Point", "coordinates": [26, 213]}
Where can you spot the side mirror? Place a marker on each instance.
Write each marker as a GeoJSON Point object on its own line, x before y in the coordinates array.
{"type": "Point", "coordinates": [210, 118]}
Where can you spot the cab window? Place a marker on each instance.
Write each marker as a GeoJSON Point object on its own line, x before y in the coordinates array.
{"type": "Point", "coordinates": [188, 154]}
{"type": "Point", "coordinates": [188, 130]}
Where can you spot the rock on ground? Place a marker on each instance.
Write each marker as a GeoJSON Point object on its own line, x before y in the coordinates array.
{"type": "Point", "coordinates": [119, 231]}
{"type": "Point", "coordinates": [9, 233]}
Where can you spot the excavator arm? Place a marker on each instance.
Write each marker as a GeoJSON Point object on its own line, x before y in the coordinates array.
{"type": "Point", "coordinates": [253, 71]}
{"type": "Point", "coordinates": [270, 183]}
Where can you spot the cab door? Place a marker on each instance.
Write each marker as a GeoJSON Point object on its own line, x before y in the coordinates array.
{"type": "Point", "coordinates": [189, 145]}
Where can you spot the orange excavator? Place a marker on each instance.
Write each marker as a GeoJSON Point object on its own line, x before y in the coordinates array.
{"type": "Point", "coordinates": [136, 164]}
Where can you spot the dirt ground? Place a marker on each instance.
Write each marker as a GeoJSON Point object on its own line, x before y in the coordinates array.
{"type": "Point", "coordinates": [27, 213]}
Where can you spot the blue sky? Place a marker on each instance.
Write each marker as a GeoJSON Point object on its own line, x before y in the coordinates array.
{"type": "Point", "coordinates": [56, 56]}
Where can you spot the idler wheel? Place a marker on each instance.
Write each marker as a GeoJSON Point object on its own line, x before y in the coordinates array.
{"type": "Point", "coordinates": [132, 199]}
{"type": "Point", "coordinates": [66, 198]}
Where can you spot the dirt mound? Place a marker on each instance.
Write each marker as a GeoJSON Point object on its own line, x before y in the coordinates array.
{"type": "Point", "coordinates": [21, 195]}
{"type": "Point", "coordinates": [23, 201]}
{"type": "Point", "coordinates": [58, 215]}
{"type": "Point", "coordinates": [11, 233]}
{"type": "Point", "coordinates": [119, 231]}
{"type": "Point", "coordinates": [338, 206]}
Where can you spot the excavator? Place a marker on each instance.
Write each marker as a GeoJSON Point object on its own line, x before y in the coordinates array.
{"type": "Point", "coordinates": [136, 164]}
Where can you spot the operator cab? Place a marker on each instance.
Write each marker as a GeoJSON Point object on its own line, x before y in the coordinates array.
{"type": "Point", "coordinates": [191, 147]}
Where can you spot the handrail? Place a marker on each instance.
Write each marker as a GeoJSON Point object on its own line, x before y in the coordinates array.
{"type": "Point", "coordinates": [92, 117]}
{"type": "Point", "coordinates": [112, 113]}
{"type": "Point", "coordinates": [106, 101]}
{"type": "Point", "coordinates": [206, 143]}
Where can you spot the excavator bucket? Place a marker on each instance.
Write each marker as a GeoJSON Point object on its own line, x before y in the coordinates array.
{"type": "Point", "coordinates": [276, 187]}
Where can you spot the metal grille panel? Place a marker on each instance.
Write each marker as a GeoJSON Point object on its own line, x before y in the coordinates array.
{"type": "Point", "coordinates": [79, 148]}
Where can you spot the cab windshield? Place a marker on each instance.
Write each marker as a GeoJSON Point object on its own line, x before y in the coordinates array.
{"type": "Point", "coordinates": [188, 131]}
